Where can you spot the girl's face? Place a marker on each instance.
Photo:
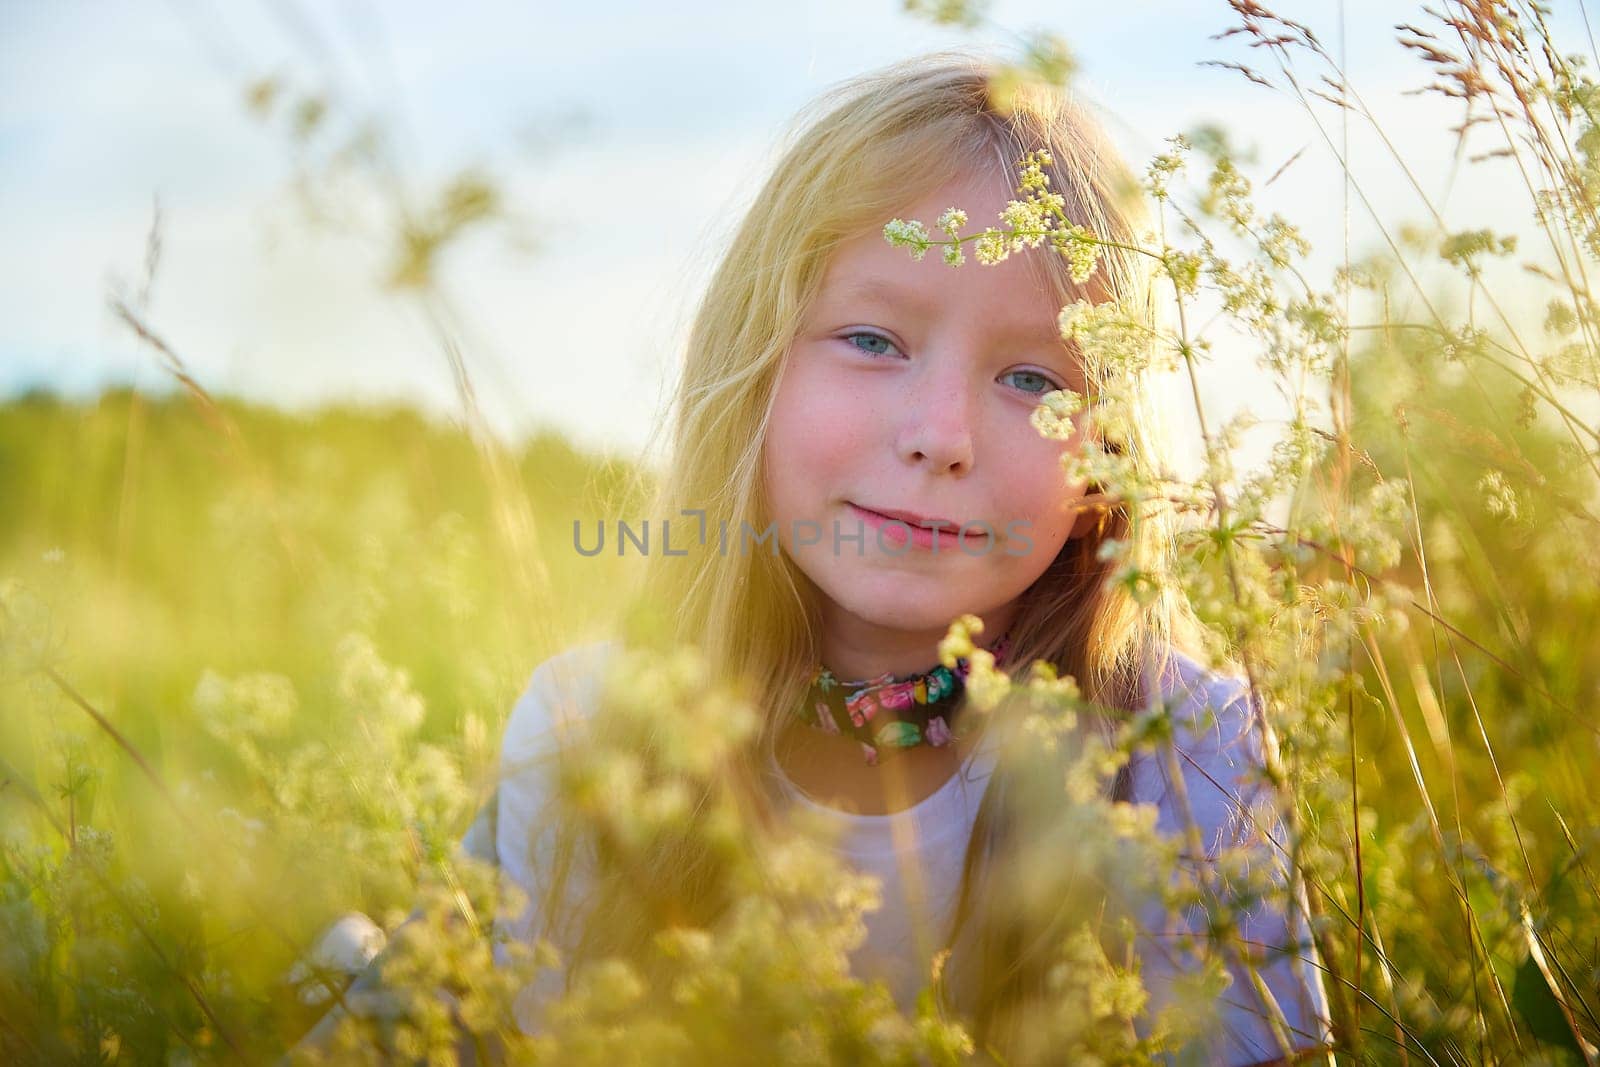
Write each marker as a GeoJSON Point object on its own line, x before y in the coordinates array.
{"type": "Point", "coordinates": [909, 389]}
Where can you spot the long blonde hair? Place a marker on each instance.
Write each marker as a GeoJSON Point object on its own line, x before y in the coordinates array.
{"type": "Point", "coordinates": [861, 153]}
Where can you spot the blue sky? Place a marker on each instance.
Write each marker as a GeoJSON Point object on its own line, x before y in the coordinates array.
{"type": "Point", "coordinates": [104, 107]}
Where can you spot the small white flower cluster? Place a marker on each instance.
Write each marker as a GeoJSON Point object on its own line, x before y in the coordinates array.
{"type": "Point", "coordinates": [1040, 217]}
{"type": "Point", "coordinates": [992, 247]}
{"type": "Point", "coordinates": [1024, 215]}
{"type": "Point", "coordinates": [1034, 179]}
{"type": "Point", "coordinates": [957, 641]}
{"type": "Point", "coordinates": [951, 222]}
{"type": "Point", "coordinates": [1165, 166]}
{"type": "Point", "coordinates": [1029, 222]}
{"type": "Point", "coordinates": [1076, 242]}
{"type": "Point", "coordinates": [247, 706]}
{"type": "Point", "coordinates": [1053, 417]}
{"type": "Point", "coordinates": [986, 686]}
{"type": "Point", "coordinates": [902, 234]}
{"type": "Point", "coordinates": [1082, 321]}
{"type": "Point", "coordinates": [1116, 340]}
{"type": "Point", "coordinates": [1081, 248]}
{"type": "Point", "coordinates": [1184, 270]}
{"type": "Point", "coordinates": [378, 692]}
{"type": "Point", "coordinates": [1117, 473]}
{"type": "Point", "coordinates": [1498, 498]}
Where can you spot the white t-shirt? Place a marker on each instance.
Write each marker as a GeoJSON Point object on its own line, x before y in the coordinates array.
{"type": "Point", "coordinates": [918, 853]}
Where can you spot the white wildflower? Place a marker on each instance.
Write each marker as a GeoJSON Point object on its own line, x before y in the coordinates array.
{"type": "Point", "coordinates": [957, 641]}
{"type": "Point", "coordinates": [1071, 317]}
{"type": "Point", "coordinates": [1033, 175]}
{"type": "Point", "coordinates": [1053, 416]}
{"type": "Point", "coordinates": [1081, 249]}
{"type": "Point", "coordinates": [1024, 215]}
{"type": "Point", "coordinates": [1499, 499]}
{"type": "Point", "coordinates": [991, 247]}
{"type": "Point", "coordinates": [904, 234]}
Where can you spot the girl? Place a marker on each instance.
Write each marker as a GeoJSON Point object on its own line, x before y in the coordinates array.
{"type": "Point", "coordinates": [876, 409]}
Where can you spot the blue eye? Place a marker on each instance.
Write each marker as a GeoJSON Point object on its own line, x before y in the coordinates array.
{"type": "Point", "coordinates": [1034, 383]}
{"type": "Point", "coordinates": [850, 337]}
{"type": "Point", "coordinates": [1038, 383]}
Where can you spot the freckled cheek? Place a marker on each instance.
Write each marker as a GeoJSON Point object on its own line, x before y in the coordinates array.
{"type": "Point", "coordinates": [814, 439]}
{"type": "Point", "coordinates": [1041, 494]}
{"type": "Point", "coordinates": [829, 417]}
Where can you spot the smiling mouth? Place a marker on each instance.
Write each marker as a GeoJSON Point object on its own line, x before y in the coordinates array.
{"type": "Point", "coordinates": [924, 526]}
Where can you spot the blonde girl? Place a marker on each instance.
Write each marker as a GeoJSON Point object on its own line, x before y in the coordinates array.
{"type": "Point", "coordinates": [873, 407]}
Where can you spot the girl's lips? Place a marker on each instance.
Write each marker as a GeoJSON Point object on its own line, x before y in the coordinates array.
{"type": "Point", "coordinates": [895, 531]}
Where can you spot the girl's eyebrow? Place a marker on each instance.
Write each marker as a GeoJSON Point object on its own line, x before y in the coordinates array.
{"type": "Point", "coordinates": [891, 295]}
{"type": "Point", "coordinates": [886, 292]}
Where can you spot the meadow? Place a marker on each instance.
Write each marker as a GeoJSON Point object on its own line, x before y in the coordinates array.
{"type": "Point", "coordinates": [254, 666]}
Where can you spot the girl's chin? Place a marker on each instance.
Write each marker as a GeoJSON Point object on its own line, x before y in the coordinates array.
{"type": "Point", "coordinates": [914, 616]}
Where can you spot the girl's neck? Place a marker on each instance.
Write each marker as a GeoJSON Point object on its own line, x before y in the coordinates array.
{"type": "Point", "coordinates": [855, 650]}
{"type": "Point", "coordinates": [829, 769]}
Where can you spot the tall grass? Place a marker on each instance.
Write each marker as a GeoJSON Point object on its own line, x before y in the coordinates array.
{"type": "Point", "coordinates": [254, 666]}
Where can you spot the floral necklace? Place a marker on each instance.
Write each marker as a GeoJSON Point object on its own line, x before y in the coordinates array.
{"type": "Point", "coordinates": [887, 711]}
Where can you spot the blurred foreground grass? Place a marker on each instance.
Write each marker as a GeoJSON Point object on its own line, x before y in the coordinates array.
{"type": "Point", "coordinates": [305, 625]}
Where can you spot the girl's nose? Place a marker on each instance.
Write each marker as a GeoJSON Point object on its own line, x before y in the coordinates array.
{"type": "Point", "coordinates": [937, 426]}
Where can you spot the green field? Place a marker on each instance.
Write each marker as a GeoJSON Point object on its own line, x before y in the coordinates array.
{"type": "Point", "coordinates": [256, 666]}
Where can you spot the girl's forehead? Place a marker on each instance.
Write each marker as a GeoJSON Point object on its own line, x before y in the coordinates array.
{"type": "Point", "coordinates": [866, 272]}
{"type": "Point", "coordinates": [982, 192]}
{"type": "Point", "coordinates": [872, 282]}
{"type": "Point", "coordinates": [867, 267]}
